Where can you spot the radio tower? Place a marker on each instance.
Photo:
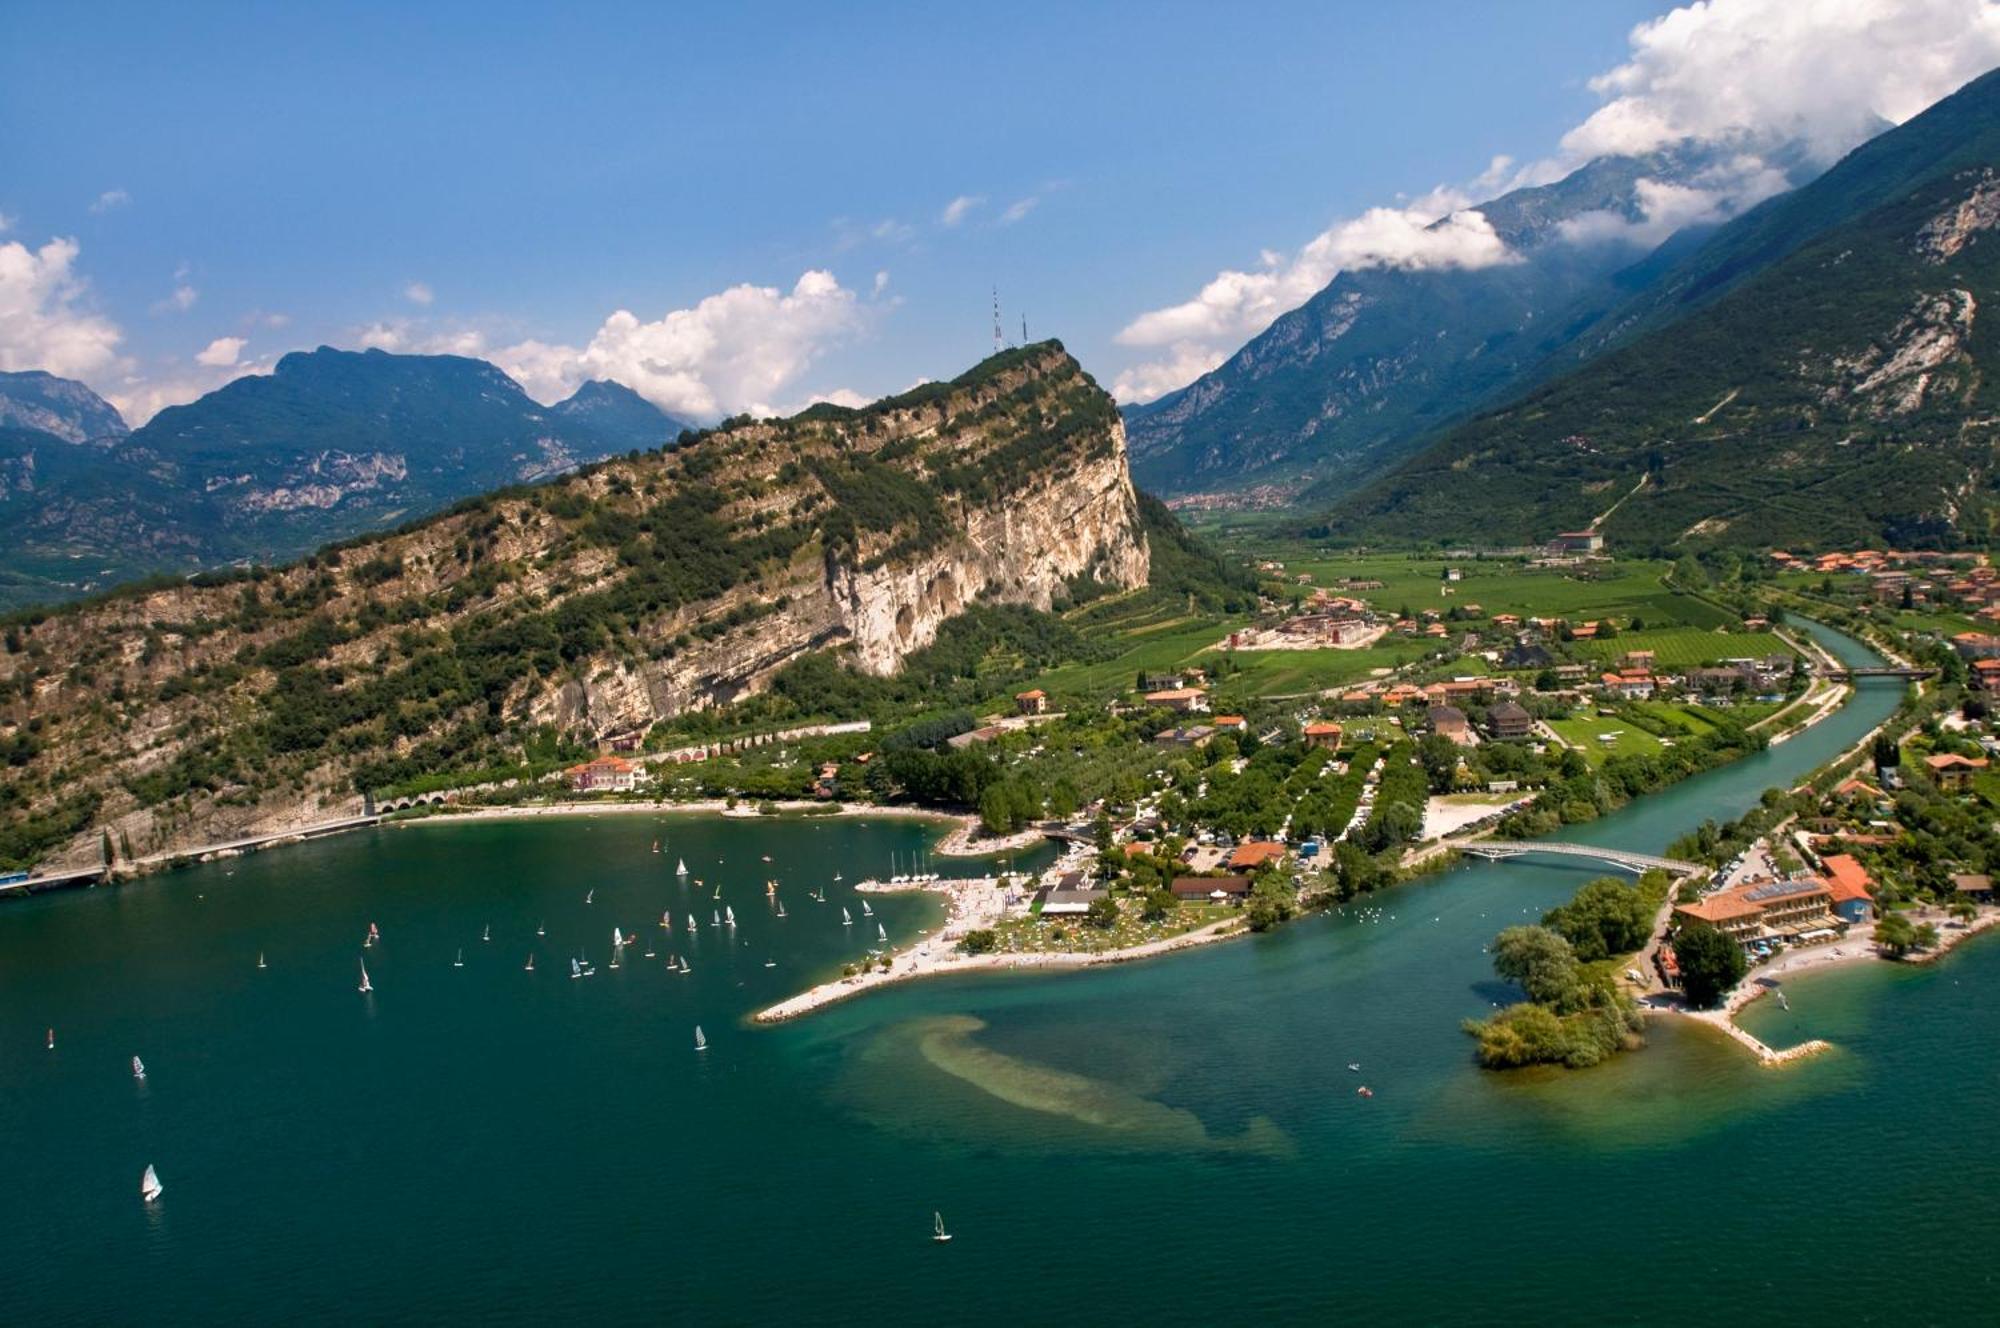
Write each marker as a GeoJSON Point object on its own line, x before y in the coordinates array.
{"type": "Point", "coordinates": [1024, 329]}
{"type": "Point", "coordinates": [996, 320]}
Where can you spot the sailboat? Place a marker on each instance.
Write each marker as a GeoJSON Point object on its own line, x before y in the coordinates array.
{"type": "Point", "coordinates": [460, 961]}
{"type": "Point", "coordinates": [770, 963]}
{"type": "Point", "coordinates": [589, 896]}
{"type": "Point", "coordinates": [781, 908]}
{"type": "Point", "coordinates": [729, 915]}
{"type": "Point", "coordinates": [715, 921]}
{"type": "Point", "coordinates": [366, 985]}
{"type": "Point", "coordinates": [656, 846]}
{"type": "Point", "coordinates": [487, 935]}
{"type": "Point", "coordinates": [52, 1039]}
{"type": "Point", "coordinates": [718, 889]}
{"type": "Point", "coordinates": [374, 935]}
{"type": "Point", "coordinates": [138, 1068]}
{"type": "Point", "coordinates": [541, 929]}
{"type": "Point", "coordinates": [680, 867]}
{"type": "Point", "coordinates": [770, 887]}
{"type": "Point", "coordinates": [149, 1184]}
{"type": "Point", "coordinates": [866, 911]}
{"type": "Point", "coordinates": [846, 918]}
{"type": "Point", "coordinates": [529, 967]}
{"type": "Point", "coordinates": [690, 924]}
{"type": "Point", "coordinates": [836, 876]}
{"type": "Point", "coordinates": [665, 920]}
{"type": "Point", "coordinates": [617, 938]}
{"type": "Point", "coordinates": [939, 1234]}
{"type": "Point", "coordinates": [649, 952]}
{"type": "Point", "coordinates": [700, 1042]}
{"type": "Point", "coordinates": [880, 934]}
{"type": "Point", "coordinates": [684, 964]}
{"type": "Point", "coordinates": [260, 959]}
{"type": "Point", "coordinates": [575, 969]}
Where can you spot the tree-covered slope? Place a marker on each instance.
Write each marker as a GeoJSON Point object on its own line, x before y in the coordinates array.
{"type": "Point", "coordinates": [1842, 393]}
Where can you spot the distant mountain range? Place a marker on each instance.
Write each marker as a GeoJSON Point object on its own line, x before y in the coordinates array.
{"type": "Point", "coordinates": [1347, 384]}
{"type": "Point", "coordinates": [1819, 372]}
{"type": "Point", "coordinates": [331, 444]}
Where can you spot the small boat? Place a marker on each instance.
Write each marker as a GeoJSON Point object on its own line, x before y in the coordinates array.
{"type": "Point", "coordinates": [684, 964]}
{"type": "Point", "coordinates": [487, 934]}
{"type": "Point", "coordinates": [718, 890]}
{"type": "Point", "coordinates": [836, 876]}
{"type": "Point", "coordinates": [767, 857]}
{"type": "Point", "coordinates": [680, 867]}
{"type": "Point", "coordinates": [665, 920]}
{"type": "Point", "coordinates": [690, 924]}
{"type": "Point", "coordinates": [149, 1184]}
{"type": "Point", "coordinates": [866, 911]}
{"type": "Point", "coordinates": [649, 952]}
{"type": "Point", "coordinates": [846, 918]}
{"type": "Point", "coordinates": [529, 967]}
{"type": "Point", "coordinates": [575, 969]}
{"type": "Point", "coordinates": [589, 896]}
{"type": "Point", "coordinates": [138, 1068]}
{"type": "Point", "coordinates": [260, 959]}
{"type": "Point", "coordinates": [1783, 1004]}
{"type": "Point", "coordinates": [460, 961]}
{"type": "Point", "coordinates": [614, 959]}
{"type": "Point", "coordinates": [617, 938]}
{"type": "Point", "coordinates": [728, 916]}
{"type": "Point", "coordinates": [938, 1233]}
{"type": "Point", "coordinates": [52, 1039]}
{"type": "Point", "coordinates": [1354, 1066]}
{"type": "Point", "coordinates": [541, 929]}
{"type": "Point", "coordinates": [770, 887]}
{"type": "Point", "coordinates": [880, 934]}
{"type": "Point", "coordinates": [366, 985]}
{"type": "Point", "coordinates": [715, 921]}
{"type": "Point", "coordinates": [656, 846]}
{"type": "Point", "coordinates": [1364, 1091]}
{"type": "Point", "coordinates": [700, 1042]}
{"type": "Point", "coordinates": [781, 908]}
{"type": "Point", "coordinates": [770, 963]}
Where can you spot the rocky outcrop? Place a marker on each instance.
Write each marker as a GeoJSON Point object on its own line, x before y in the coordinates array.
{"type": "Point", "coordinates": [600, 604]}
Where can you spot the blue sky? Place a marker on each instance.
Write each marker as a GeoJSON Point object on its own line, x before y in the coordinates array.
{"type": "Point", "coordinates": [232, 182]}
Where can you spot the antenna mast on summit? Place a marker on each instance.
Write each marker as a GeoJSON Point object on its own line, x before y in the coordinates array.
{"type": "Point", "coordinates": [1024, 329]}
{"type": "Point", "coordinates": [996, 320]}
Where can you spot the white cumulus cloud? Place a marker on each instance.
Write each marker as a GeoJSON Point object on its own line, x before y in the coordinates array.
{"type": "Point", "coordinates": [44, 322]}
{"type": "Point", "coordinates": [1825, 73]}
{"type": "Point", "coordinates": [1018, 210]}
{"type": "Point", "coordinates": [418, 292]}
{"type": "Point", "coordinates": [742, 349]}
{"type": "Point", "coordinates": [110, 199]}
{"type": "Point", "coordinates": [221, 353]}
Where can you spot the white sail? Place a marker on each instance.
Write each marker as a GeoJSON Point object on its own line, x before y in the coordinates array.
{"type": "Point", "coordinates": [617, 937]}
{"type": "Point", "coordinates": [846, 918]}
{"type": "Point", "coordinates": [684, 963]}
{"type": "Point", "coordinates": [729, 915]}
{"type": "Point", "coordinates": [589, 895]}
{"type": "Point", "coordinates": [460, 961]}
{"type": "Point", "coordinates": [366, 985]}
{"type": "Point", "coordinates": [149, 1184]}
{"type": "Point", "coordinates": [575, 969]}
{"type": "Point", "coordinates": [260, 959]}
{"type": "Point", "coordinates": [866, 911]}
{"type": "Point", "coordinates": [880, 934]}
{"type": "Point", "coordinates": [715, 920]}
{"type": "Point", "coordinates": [700, 1042]}
{"type": "Point", "coordinates": [939, 1233]}
{"type": "Point", "coordinates": [680, 867]}
{"type": "Point", "coordinates": [138, 1068]}
{"type": "Point", "coordinates": [665, 920]}
{"type": "Point", "coordinates": [529, 967]}
{"type": "Point", "coordinates": [487, 934]}
{"type": "Point", "coordinates": [690, 924]}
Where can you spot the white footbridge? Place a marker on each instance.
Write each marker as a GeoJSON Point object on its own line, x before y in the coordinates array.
{"type": "Point", "coordinates": [1501, 850]}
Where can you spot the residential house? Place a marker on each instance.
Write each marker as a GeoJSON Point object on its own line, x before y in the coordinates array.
{"type": "Point", "coordinates": [1976, 645]}
{"type": "Point", "coordinates": [1953, 771]}
{"type": "Point", "coordinates": [1185, 700]}
{"type": "Point", "coordinates": [1509, 721]}
{"type": "Point", "coordinates": [1229, 724]}
{"type": "Point", "coordinates": [1848, 881]}
{"type": "Point", "coordinates": [1323, 735]}
{"type": "Point", "coordinates": [1578, 541]}
{"type": "Point", "coordinates": [1629, 686]}
{"type": "Point", "coordinates": [606, 774]}
{"type": "Point", "coordinates": [1196, 735]}
{"type": "Point", "coordinates": [1253, 854]}
{"type": "Point", "coordinates": [1450, 722]}
{"type": "Point", "coordinates": [1034, 702]}
{"type": "Point", "coordinates": [1986, 675]}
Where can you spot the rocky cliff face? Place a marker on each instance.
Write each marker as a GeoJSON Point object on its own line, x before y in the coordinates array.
{"type": "Point", "coordinates": [598, 605]}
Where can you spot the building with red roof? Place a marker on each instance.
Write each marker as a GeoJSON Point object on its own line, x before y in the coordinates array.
{"type": "Point", "coordinates": [1849, 882]}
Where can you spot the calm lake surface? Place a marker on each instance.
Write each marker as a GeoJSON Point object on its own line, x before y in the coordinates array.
{"type": "Point", "coordinates": [1174, 1141]}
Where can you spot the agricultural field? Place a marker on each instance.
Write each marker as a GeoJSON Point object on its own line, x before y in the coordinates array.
{"type": "Point", "coordinates": [1686, 647]}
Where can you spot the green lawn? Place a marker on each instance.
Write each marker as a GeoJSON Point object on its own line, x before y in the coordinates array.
{"type": "Point", "coordinates": [1584, 734]}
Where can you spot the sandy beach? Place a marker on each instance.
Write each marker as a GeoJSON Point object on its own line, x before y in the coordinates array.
{"type": "Point", "coordinates": [970, 905]}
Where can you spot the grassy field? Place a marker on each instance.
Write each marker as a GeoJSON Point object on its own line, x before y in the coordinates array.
{"type": "Point", "coordinates": [1585, 734]}
{"type": "Point", "coordinates": [1685, 647]}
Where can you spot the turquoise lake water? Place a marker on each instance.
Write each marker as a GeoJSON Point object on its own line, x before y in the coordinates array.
{"type": "Point", "coordinates": [1174, 1141]}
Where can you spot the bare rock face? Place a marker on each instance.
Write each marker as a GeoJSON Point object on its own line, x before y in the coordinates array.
{"type": "Point", "coordinates": [600, 604]}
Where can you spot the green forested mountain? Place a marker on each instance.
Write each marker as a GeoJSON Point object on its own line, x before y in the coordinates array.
{"type": "Point", "coordinates": [331, 444]}
{"type": "Point", "coordinates": [1820, 372]}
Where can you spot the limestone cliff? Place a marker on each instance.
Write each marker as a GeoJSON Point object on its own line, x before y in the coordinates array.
{"type": "Point", "coordinates": [593, 606]}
